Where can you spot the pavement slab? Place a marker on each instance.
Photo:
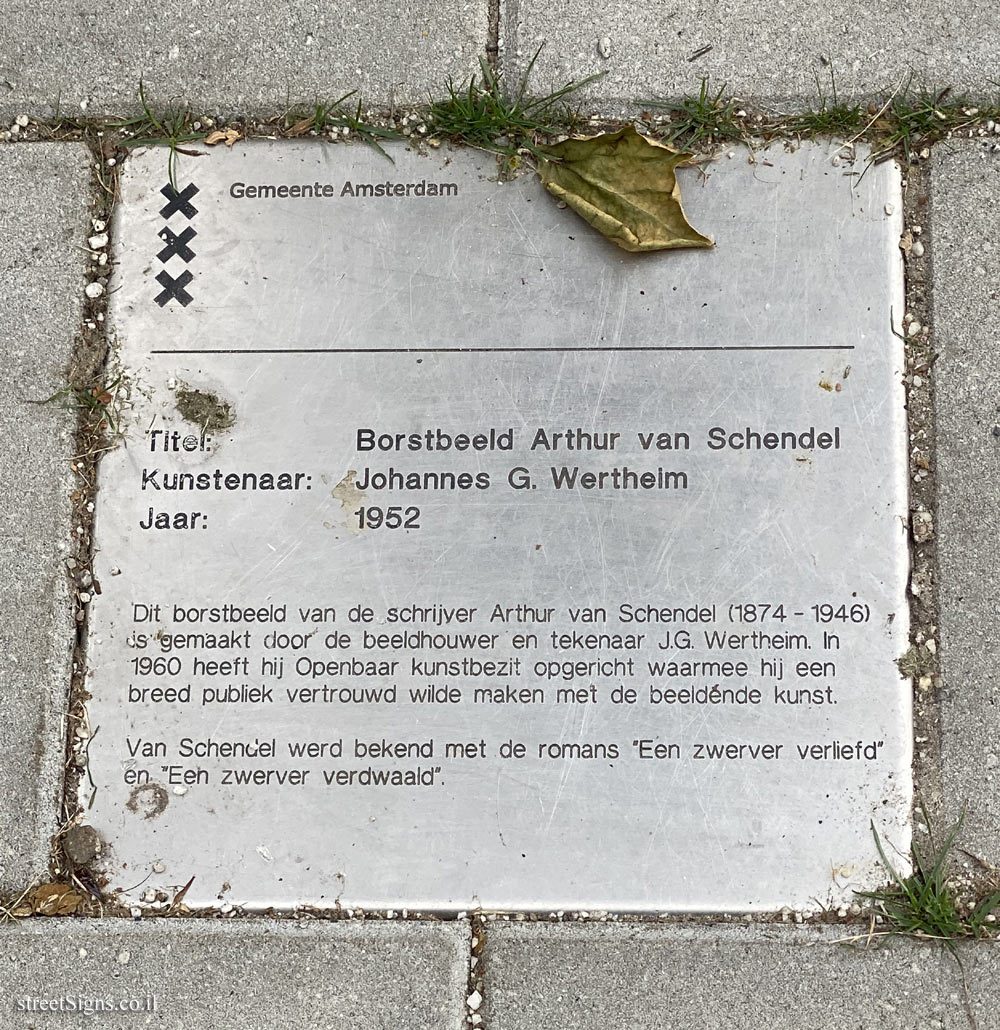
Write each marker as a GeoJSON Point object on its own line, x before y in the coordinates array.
{"type": "Point", "coordinates": [965, 254]}
{"type": "Point", "coordinates": [197, 973]}
{"type": "Point", "coordinates": [713, 977]}
{"type": "Point", "coordinates": [43, 223]}
{"type": "Point", "coordinates": [223, 57]}
{"type": "Point", "coordinates": [791, 51]}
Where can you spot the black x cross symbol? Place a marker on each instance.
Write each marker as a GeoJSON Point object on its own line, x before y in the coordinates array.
{"type": "Point", "coordinates": [176, 244]}
{"type": "Point", "coordinates": [173, 289]}
{"type": "Point", "coordinates": [179, 201]}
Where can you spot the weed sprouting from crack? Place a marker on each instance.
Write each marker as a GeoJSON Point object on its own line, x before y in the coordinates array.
{"type": "Point", "coordinates": [833, 117]}
{"type": "Point", "coordinates": [706, 119]}
{"type": "Point", "coordinates": [324, 116]}
{"type": "Point", "coordinates": [923, 905]}
{"type": "Point", "coordinates": [166, 129]}
{"type": "Point", "coordinates": [905, 124]}
{"type": "Point", "coordinates": [482, 115]}
{"type": "Point", "coordinates": [97, 402]}
{"type": "Point", "coordinates": [913, 122]}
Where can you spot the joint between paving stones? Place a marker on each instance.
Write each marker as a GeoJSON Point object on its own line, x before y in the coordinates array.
{"type": "Point", "coordinates": [921, 660]}
{"type": "Point", "coordinates": [476, 992]}
{"type": "Point", "coordinates": [493, 34]}
{"type": "Point", "coordinates": [76, 845]}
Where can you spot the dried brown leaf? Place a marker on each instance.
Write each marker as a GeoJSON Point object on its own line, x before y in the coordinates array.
{"type": "Point", "coordinates": [302, 127]}
{"type": "Point", "coordinates": [227, 136]}
{"type": "Point", "coordinates": [55, 899]}
{"type": "Point", "coordinates": [624, 185]}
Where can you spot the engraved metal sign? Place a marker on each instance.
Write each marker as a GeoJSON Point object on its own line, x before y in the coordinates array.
{"type": "Point", "coordinates": [454, 557]}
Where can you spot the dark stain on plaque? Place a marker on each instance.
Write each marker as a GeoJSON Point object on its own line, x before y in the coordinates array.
{"type": "Point", "coordinates": [208, 411]}
{"type": "Point", "coordinates": [148, 800]}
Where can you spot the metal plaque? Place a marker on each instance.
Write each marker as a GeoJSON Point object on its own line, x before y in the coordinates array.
{"type": "Point", "coordinates": [454, 557]}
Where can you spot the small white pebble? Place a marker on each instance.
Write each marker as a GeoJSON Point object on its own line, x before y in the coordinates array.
{"type": "Point", "coordinates": [159, 867]}
{"type": "Point", "coordinates": [889, 209]}
{"type": "Point", "coordinates": [21, 121]}
{"type": "Point", "coordinates": [82, 953]}
{"type": "Point", "coordinates": [94, 290]}
{"type": "Point", "coordinates": [475, 1000]}
{"type": "Point", "coordinates": [98, 242]}
{"type": "Point", "coordinates": [604, 46]}
{"type": "Point", "coordinates": [99, 225]}
{"type": "Point", "coordinates": [124, 957]}
{"type": "Point", "coordinates": [180, 791]}
{"type": "Point", "coordinates": [917, 250]}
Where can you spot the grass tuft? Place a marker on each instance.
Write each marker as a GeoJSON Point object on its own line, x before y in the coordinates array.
{"type": "Point", "coordinates": [169, 128]}
{"type": "Point", "coordinates": [915, 121]}
{"type": "Point", "coordinates": [833, 117]}
{"type": "Point", "coordinates": [96, 403]}
{"type": "Point", "coordinates": [326, 116]}
{"type": "Point", "coordinates": [923, 904]}
{"type": "Point", "coordinates": [482, 115]}
{"type": "Point", "coordinates": [708, 118]}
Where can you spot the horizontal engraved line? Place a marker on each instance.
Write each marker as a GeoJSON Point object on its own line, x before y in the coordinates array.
{"type": "Point", "coordinates": [482, 350]}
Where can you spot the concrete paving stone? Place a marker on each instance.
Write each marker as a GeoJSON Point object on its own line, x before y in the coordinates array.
{"type": "Point", "coordinates": [774, 53]}
{"type": "Point", "coordinates": [227, 57]}
{"type": "Point", "coordinates": [965, 255]}
{"type": "Point", "coordinates": [619, 977]}
{"type": "Point", "coordinates": [278, 975]}
{"type": "Point", "coordinates": [43, 227]}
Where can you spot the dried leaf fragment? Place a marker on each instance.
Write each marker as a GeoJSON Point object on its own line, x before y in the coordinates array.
{"type": "Point", "coordinates": [300, 128]}
{"type": "Point", "coordinates": [177, 903]}
{"type": "Point", "coordinates": [227, 136]}
{"type": "Point", "coordinates": [55, 899]}
{"type": "Point", "coordinates": [624, 185]}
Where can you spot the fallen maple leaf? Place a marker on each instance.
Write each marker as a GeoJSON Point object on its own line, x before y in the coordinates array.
{"type": "Point", "coordinates": [624, 185]}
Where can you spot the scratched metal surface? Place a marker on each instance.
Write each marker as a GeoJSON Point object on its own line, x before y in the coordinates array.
{"type": "Point", "coordinates": [497, 309]}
